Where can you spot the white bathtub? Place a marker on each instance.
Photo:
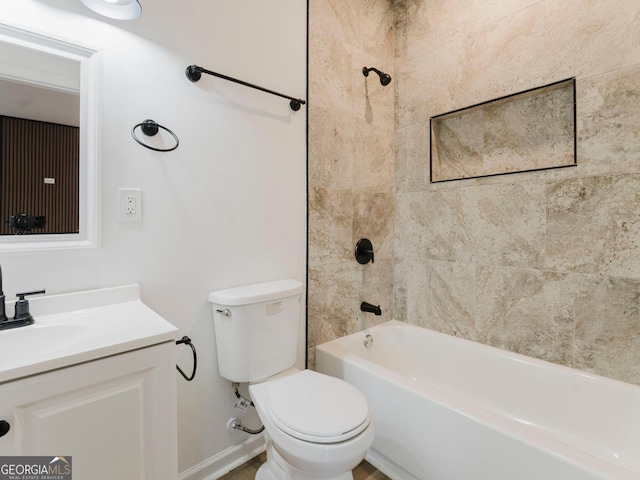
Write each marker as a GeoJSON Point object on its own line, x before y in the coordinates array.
{"type": "Point", "coordinates": [450, 409]}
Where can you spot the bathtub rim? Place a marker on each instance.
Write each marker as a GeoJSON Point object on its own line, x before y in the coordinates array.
{"type": "Point", "coordinates": [339, 348]}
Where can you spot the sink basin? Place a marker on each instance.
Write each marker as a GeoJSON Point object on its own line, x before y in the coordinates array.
{"type": "Point", "coordinates": [79, 327]}
{"type": "Point", "coordinates": [42, 339]}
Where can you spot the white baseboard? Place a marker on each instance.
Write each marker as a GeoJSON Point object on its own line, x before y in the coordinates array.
{"type": "Point", "coordinates": [215, 467]}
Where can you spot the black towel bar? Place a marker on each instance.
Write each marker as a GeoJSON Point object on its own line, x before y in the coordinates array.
{"type": "Point", "coordinates": [194, 72]}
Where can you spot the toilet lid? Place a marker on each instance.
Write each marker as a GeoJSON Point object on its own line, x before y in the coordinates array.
{"type": "Point", "coordinates": [317, 408]}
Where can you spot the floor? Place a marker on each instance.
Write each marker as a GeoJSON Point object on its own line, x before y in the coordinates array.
{"type": "Point", "coordinates": [364, 471]}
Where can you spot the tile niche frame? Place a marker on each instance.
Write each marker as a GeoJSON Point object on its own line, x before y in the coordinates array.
{"type": "Point", "coordinates": [472, 139]}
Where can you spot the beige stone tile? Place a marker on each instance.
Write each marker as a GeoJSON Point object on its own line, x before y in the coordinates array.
{"type": "Point", "coordinates": [608, 122]}
{"type": "Point", "coordinates": [373, 102]}
{"type": "Point", "coordinates": [401, 285]}
{"type": "Point", "coordinates": [334, 301]}
{"type": "Point", "coordinates": [608, 327]}
{"type": "Point", "coordinates": [496, 60]}
{"type": "Point", "coordinates": [335, 19]}
{"type": "Point", "coordinates": [344, 37]}
{"type": "Point", "coordinates": [330, 226]}
{"type": "Point", "coordinates": [411, 165]}
{"type": "Point", "coordinates": [373, 158]}
{"type": "Point", "coordinates": [375, 29]}
{"type": "Point", "coordinates": [526, 311]}
{"type": "Point", "coordinates": [330, 70]}
{"type": "Point", "coordinates": [423, 26]}
{"type": "Point", "coordinates": [531, 131]}
{"type": "Point", "coordinates": [377, 289]}
{"type": "Point", "coordinates": [565, 220]}
{"type": "Point", "coordinates": [426, 226]}
{"type": "Point", "coordinates": [351, 148]}
{"type": "Point", "coordinates": [411, 26]}
{"type": "Point", "coordinates": [410, 300]}
{"type": "Point", "coordinates": [373, 218]}
{"type": "Point", "coordinates": [501, 58]}
{"type": "Point", "coordinates": [536, 176]}
{"type": "Point", "coordinates": [458, 146]}
{"type": "Point", "coordinates": [425, 86]}
{"type": "Point", "coordinates": [440, 296]}
{"type": "Point", "coordinates": [592, 225]}
{"type": "Point", "coordinates": [331, 149]}
{"type": "Point", "coordinates": [500, 224]}
{"type": "Point", "coordinates": [590, 37]}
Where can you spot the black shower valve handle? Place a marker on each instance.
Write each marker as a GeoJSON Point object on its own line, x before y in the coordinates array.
{"type": "Point", "coordinates": [364, 251]}
{"type": "Point", "coordinates": [369, 252]}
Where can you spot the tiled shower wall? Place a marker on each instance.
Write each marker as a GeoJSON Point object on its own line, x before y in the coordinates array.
{"type": "Point", "coordinates": [351, 179]}
{"type": "Point", "coordinates": [545, 263]}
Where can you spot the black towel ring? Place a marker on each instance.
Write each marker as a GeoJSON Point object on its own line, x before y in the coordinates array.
{"type": "Point", "coordinates": [150, 128]}
{"type": "Point", "coordinates": [187, 341]}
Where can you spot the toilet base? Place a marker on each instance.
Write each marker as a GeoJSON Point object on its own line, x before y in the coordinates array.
{"type": "Point", "coordinates": [264, 473]}
{"type": "Point", "coordinates": [276, 468]}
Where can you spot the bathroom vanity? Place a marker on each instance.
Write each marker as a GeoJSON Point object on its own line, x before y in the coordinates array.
{"type": "Point", "coordinates": [92, 379]}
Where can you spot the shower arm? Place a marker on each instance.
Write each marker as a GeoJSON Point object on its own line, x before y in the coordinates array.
{"type": "Point", "coordinates": [194, 72]}
{"type": "Point", "coordinates": [385, 79]}
{"type": "Point", "coordinates": [366, 70]}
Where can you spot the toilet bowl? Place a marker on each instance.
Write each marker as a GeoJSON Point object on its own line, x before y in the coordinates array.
{"type": "Point", "coordinates": [318, 427]}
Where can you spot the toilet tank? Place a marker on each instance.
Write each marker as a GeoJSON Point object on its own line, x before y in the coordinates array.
{"type": "Point", "coordinates": [256, 329]}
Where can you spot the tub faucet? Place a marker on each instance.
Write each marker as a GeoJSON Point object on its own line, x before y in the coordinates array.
{"type": "Point", "coordinates": [367, 307]}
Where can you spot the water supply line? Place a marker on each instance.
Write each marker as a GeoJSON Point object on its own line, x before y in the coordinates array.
{"type": "Point", "coordinates": [242, 403]}
{"type": "Point", "coordinates": [236, 424]}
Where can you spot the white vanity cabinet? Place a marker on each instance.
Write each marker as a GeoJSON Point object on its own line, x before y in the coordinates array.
{"type": "Point", "coordinates": [93, 379]}
{"type": "Point", "coordinates": [115, 416]}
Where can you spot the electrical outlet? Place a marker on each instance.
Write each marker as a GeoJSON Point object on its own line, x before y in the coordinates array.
{"type": "Point", "coordinates": [130, 205]}
{"type": "Point", "coordinates": [130, 208]}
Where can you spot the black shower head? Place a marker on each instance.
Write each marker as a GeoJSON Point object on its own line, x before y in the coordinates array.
{"type": "Point", "coordinates": [384, 78]}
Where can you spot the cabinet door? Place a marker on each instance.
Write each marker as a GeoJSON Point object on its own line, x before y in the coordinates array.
{"type": "Point", "coordinates": [115, 417]}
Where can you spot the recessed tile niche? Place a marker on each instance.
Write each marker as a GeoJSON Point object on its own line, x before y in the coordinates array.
{"type": "Point", "coordinates": [530, 130]}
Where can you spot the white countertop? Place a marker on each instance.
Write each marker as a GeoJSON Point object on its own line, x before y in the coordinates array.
{"type": "Point", "coordinates": [78, 327]}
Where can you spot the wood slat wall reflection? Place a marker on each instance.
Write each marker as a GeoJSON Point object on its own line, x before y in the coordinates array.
{"type": "Point", "coordinates": [31, 152]}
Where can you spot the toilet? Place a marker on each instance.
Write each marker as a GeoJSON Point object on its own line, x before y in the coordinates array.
{"type": "Point", "coordinates": [316, 426]}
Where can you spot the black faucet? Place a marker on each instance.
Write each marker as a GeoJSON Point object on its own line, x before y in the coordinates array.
{"type": "Point", "coordinates": [22, 316]}
{"type": "Point", "coordinates": [367, 307]}
{"type": "Point", "coordinates": [3, 315]}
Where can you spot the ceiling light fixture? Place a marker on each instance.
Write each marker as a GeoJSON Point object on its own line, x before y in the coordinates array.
{"type": "Point", "coordinates": [117, 9]}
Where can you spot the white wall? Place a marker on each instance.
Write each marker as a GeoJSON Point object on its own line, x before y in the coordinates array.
{"type": "Point", "coordinates": [226, 208]}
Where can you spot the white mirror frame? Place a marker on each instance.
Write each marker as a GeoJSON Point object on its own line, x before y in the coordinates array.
{"type": "Point", "coordinates": [90, 69]}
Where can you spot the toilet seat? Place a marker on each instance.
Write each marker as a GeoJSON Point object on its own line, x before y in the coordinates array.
{"type": "Point", "coordinates": [317, 408]}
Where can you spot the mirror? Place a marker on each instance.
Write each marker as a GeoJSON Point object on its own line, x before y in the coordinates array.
{"type": "Point", "coordinates": [48, 142]}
